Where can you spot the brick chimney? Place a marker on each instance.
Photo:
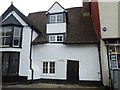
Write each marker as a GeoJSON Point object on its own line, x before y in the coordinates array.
{"type": "Point", "coordinates": [86, 7]}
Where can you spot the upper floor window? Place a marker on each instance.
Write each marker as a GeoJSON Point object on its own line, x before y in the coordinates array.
{"type": "Point", "coordinates": [10, 36]}
{"type": "Point", "coordinates": [56, 38]}
{"type": "Point", "coordinates": [16, 36]}
{"type": "Point", "coordinates": [56, 18]}
{"type": "Point", "coordinates": [5, 35]}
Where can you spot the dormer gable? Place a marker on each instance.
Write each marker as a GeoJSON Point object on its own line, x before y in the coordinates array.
{"type": "Point", "coordinates": [56, 8]}
{"type": "Point", "coordinates": [11, 20]}
{"type": "Point", "coordinates": [12, 13]}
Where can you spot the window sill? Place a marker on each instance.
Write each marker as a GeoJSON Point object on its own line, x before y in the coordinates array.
{"type": "Point", "coordinates": [53, 75]}
{"type": "Point", "coordinates": [9, 47]}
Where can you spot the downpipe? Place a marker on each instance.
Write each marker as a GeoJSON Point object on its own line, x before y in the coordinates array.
{"type": "Point", "coordinates": [32, 71]}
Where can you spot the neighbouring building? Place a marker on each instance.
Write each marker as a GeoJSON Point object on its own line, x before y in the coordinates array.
{"type": "Point", "coordinates": [59, 45]}
{"type": "Point", "coordinates": [16, 34]}
{"type": "Point", "coordinates": [106, 20]}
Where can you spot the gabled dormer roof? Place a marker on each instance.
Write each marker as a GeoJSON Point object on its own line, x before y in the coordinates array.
{"type": "Point", "coordinates": [11, 20]}
{"type": "Point", "coordinates": [56, 8]}
{"type": "Point", "coordinates": [21, 15]}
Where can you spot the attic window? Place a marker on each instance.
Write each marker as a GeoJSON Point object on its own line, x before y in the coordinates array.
{"type": "Point", "coordinates": [56, 18]}
{"type": "Point", "coordinates": [56, 38]}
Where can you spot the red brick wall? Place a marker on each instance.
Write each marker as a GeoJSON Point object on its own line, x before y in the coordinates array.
{"type": "Point", "coordinates": [95, 16]}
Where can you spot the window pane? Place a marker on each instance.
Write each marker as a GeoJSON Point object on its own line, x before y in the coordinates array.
{"type": "Point", "coordinates": [52, 38]}
{"type": "Point", "coordinates": [60, 38]}
{"type": "Point", "coordinates": [17, 31]}
{"type": "Point", "coordinates": [118, 58]}
{"type": "Point", "coordinates": [52, 67]}
{"type": "Point", "coordinates": [60, 18]}
{"type": "Point", "coordinates": [45, 67]}
{"type": "Point", "coordinates": [112, 49]}
{"type": "Point", "coordinates": [5, 35]}
{"type": "Point", "coordinates": [52, 18]}
{"type": "Point", "coordinates": [118, 49]}
{"type": "Point", "coordinates": [7, 41]}
{"type": "Point", "coordinates": [16, 36]}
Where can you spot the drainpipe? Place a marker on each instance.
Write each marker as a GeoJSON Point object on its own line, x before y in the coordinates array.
{"type": "Point", "coordinates": [32, 71]}
{"type": "Point", "coordinates": [99, 51]}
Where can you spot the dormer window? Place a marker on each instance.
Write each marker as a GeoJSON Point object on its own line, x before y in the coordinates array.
{"type": "Point", "coordinates": [56, 18]}
{"type": "Point", "coordinates": [56, 38]}
{"type": "Point", "coordinates": [10, 36]}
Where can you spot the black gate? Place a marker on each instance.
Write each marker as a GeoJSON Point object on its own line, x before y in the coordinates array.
{"type": "Point", "coordinates": [10, 65]}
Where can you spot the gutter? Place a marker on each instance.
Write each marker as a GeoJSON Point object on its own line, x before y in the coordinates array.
{"type": "Point", "coordinates": [30, 57]}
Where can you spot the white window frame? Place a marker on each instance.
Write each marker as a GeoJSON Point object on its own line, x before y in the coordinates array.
{"type": "Point", "coordinates": [4, 36]}
{"type": "Point", "coordinates": [14, 36]}
{"type": "Point", "coordinates": [48, 72]}
{"type": "Point", "coordinates": [59, 17]}
{"type": "Point", "coordinates": [56, 18]}
{"type": "Point", "coordinates": [56, 38]}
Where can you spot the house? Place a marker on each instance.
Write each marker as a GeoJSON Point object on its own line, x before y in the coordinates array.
{"type": "Point", "coordinates": [107, 24]}
{"type": "Point", "coordinates": [59, 45]}
{"type": "Point", "coordinates": [16, 34]}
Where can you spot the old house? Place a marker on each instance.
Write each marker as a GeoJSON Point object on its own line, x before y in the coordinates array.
{"type": "Point", "coordinates": [59, 45]}
{"type": "Point", "coordinates": [106, 19]}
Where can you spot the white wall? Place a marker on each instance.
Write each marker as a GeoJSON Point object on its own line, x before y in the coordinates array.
{"type": "Point", "coordinates": [56, 8]}
{"type": "Point", "coordinates": [87, 55]}
{"type": "Point", "coordinates": [25, 52]}
{"type": "Point", "coordinates": [109, 18]}
{"type": "Point", "coordinates": [35, 34]}
{"type": "Point", "coordinates": [56, 28]}
{"type": "Point", "coordinates": [104, 63]}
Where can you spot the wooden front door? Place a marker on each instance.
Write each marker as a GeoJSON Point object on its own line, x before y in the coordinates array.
{"type": "Point", "coordinates": [72, 71]}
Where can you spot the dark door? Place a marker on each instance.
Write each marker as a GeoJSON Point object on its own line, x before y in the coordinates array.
{"type": "Point", "coordinates": [10, 63]}
{"type": "Point", "coordinates": [73, 71]}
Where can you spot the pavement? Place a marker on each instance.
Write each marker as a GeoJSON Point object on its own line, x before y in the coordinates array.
{"type": "Point", "coordinates": [39, 86]}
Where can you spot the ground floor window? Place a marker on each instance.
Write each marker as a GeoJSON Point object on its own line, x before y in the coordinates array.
{"type": "Point", "coordinates": [114, 57]}
{"type": "Point", "coordinates": [10, 63]}
{"type": "Point", "coordinates": [48, 67]}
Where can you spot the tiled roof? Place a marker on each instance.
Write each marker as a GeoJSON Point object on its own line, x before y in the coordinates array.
{"type": "Point", "coordinates": [25, 19]}
{"type": "Point", "coordinates": [80, 28]}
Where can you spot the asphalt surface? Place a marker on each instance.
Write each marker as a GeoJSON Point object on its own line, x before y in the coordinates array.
{"type": "Point", "coordinates": [42, 86]}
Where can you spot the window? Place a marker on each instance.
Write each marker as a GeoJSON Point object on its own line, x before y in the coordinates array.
{"type": "Point", "coordinates": [16, 36]}
{"type": "Point", "coordinates": [114, 52]}
{"type": "Point", "coordinates": [48, 67]}
{"type": "Point", "coordinates": [52, 38]}
{"type": "Point", "coordinates": [5, 35]}
{"type": "Point", "coordinates": [59, 38]}
{"type": "Point", "coordinates": [55, 38]}
{"type": "Point", "coordinates": [60, 18]}
{"type": "Point", "coordinates": [56, 18]}
{"type": "Point", "coordinates": [10, 36]}
{"type": "Point", "coordinates": [52, 18]}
